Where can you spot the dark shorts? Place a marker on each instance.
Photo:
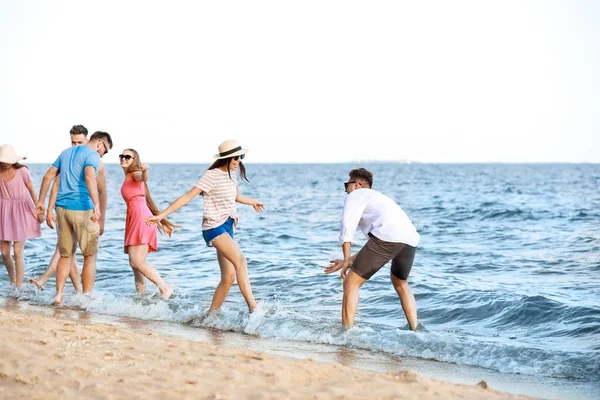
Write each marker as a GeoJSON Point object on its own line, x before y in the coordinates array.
{"type": "Point", "coordinates": [211, 234]}
{"type": "Point", "coordinates": [376, 253]}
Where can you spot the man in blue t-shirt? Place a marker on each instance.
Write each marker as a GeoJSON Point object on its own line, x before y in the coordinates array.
{"type": "Point", "coordinates": [77, 207]}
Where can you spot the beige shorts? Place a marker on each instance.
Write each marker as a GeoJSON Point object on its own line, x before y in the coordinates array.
{"type": "Point", "coordinates": [76, 227]}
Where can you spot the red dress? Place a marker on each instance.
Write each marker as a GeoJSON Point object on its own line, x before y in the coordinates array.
{"type": "Point", "coordinates": [136, 230]}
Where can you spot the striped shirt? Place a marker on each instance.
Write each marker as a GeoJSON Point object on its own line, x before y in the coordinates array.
{"type": "Point", "coordinates": [219, 191]}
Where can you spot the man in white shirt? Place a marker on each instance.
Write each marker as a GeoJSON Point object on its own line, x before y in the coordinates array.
{"type": "Point", "coordinates": [392, 236]}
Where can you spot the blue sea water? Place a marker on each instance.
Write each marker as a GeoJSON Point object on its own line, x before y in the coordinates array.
{"type": "Point", "coordinates": [507, 275]}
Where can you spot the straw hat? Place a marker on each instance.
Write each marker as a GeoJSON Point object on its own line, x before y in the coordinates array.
{"type": "Point", "coordinates": [230, 148]}
{"type": "Point", "coordinates": [8, 154]}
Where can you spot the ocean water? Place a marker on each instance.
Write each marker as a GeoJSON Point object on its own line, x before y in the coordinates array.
{"type": "Point", "coordinates": [507, 275]}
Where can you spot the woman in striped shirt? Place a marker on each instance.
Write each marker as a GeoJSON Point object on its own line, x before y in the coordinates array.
{"type": "Point", "coordinates": [219, 188]}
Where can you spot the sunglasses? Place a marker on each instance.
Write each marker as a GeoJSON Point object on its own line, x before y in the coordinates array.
{"type": "Point", "coordinates": [237, 158]}
{"type": "Point", "coordinates": [125, 156]}
{"type": "Point", "coordinates": [105, 147]}
{"type": "Point", "coordinates": [347, 183]}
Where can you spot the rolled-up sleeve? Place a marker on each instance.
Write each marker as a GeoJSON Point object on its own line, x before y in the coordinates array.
{"type": "Point", "coordinates": [92, 160]}
{"type": "Point", "coordinates": [353, 211]}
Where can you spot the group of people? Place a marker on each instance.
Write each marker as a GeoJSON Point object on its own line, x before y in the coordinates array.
{"type": "Point", "coordinates": [77, 185]}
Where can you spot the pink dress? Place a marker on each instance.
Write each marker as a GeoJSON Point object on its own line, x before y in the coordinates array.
{"type": "Point", "coordinates": [136, 230]}
{"type": "Point", "coordinates": [18, 221]}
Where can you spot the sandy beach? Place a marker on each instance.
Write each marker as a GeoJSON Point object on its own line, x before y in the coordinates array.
{"type": "Point", "coordinates": [44, 357]}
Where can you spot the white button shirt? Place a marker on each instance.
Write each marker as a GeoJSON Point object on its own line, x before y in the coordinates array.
{"type": "Point", "coordinates": [377, 214]}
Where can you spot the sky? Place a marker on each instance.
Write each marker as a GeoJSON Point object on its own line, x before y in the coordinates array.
{"type": "Point", "coordinates": [305, 81]}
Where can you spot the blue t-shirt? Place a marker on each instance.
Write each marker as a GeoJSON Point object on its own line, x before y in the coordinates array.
{"type": "Point", "coordinates": [72, 191]}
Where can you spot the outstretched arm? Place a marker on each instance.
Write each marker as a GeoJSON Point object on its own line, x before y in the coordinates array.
{"type": "Point", "coordinates": [258, 205]}
{"type": "Point", "coordinates": [176, 205]}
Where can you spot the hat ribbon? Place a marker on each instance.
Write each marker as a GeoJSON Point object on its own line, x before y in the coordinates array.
{"type": "Point", "coordinates": [228, 152]}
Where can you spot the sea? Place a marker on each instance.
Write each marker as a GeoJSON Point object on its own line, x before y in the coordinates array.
{"type": "Point", "coordinates": [506, 276]}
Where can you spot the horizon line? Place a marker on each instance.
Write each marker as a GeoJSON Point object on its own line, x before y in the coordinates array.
{"type": "Point", "coordinates": [361, 162]}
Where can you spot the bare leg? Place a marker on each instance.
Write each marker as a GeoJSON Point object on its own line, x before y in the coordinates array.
{"type": "Point", "coordinates": [141, 268]}
{"type": "Point", "coordinates": [74, 274]}
{"type": "Point", "coordinates": [8, 261]}
{"type": "Point", "coordinates": [140, 284]}
{"type": "Point", "coordinates": [88, 273]}
{"type": "Point", "coordinates": [352, 284]}
{"type": "Point", "coordinates": [19, 248]}
{"type": "Point", "coordinates": [227, 280]}
{"type": "Point", "coordinates": [62, 271]}
{"type": "Point", "coordinates": [407, 300]}
{"type": "Point", "coordinates": [41, 281]}
{"type": "Point", "coordinates": [228, 250]}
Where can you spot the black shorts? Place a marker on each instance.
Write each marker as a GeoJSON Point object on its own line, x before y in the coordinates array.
{"type": "Point", "coordinates": [376, 253]}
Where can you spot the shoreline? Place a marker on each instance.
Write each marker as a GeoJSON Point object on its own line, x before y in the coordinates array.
{"type": "Point", "coordinates": [72, 354]}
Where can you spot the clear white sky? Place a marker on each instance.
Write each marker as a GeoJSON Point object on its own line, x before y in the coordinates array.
{"type": "Point", "coordinates": [305, 81]}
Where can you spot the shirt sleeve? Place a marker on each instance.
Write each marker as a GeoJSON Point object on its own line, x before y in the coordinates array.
{"type": "Point", "coordinates": [57, 163]}
{"type": "Point", "coordinates": [92, 160]}
{"type": "Point", "coordinates": [206, 182]}
{"type": "Point", "coordinates": [26, 175]}
{"type": "Point", "coordinates": [353, 211]}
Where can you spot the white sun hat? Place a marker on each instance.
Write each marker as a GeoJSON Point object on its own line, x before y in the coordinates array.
{"type": "Point", "coordinates": [8, 154]}
{"type": "Point", "coordinates": [230, 148]}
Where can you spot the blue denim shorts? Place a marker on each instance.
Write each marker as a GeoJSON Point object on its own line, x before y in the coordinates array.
{"type": "Point", "coordinates": [210, 234]}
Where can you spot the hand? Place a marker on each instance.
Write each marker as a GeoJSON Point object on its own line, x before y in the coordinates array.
{"type": "Point", "coordinates": [154, 219]}
{"type": "Point", "coordinates": [40, 218]}
{"type": "Point", "coordinates": [40, 208]}
{"type": "Point", "coordinates": [336, 265]}
{"type": "Point", "coordinates": [168, 230]}
{"type": "Point", "coordinates": [50, 219]}
{"type": "Point", "coordinates": [96, 215]}
{"type": "Point", "coordinates": [101, 223]}
{"type": "Point", "coordinates": [259, 206]}
{"type": "Point", "coordinates": [144, 167]}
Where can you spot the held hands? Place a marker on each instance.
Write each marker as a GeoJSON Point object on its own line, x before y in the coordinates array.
{"type": "Point", "coordinates": [40, 209]}
{"type": "Point", "coordinates": [336, 265]}
{"type": "Point", "coordinates": [155, 219]}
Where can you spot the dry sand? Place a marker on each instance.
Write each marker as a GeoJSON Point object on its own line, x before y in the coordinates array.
{"type": "Point", "coordinates": [43, 357]}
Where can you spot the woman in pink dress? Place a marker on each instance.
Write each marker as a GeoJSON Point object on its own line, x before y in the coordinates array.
{"type": "Point", "coordinates": [18, 219]}
{"type": "Point", "coordinates": [140, 239]}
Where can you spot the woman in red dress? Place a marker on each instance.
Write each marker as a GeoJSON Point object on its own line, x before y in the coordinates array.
{"type": "Point", "coordinates": [140, 238]}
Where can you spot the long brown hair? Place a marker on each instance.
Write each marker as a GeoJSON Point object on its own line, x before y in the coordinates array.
{"type": "Point", "coordinates": [136, 165]}
{"type": "Point", "coordinates": [7, 166]}
{"type": "Point", "coordinates": [225, 161]}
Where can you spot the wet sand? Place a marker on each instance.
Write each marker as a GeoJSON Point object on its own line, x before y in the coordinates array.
{"type": "Point", "coordinates": [57, 356]}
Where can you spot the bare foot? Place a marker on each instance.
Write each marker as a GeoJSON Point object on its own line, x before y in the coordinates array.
{"type": "Point", "coordinates": [165, 292]}
{"type": "Point", "coordinates": [36, 283]}
{"type": "Point", "coordinates": [140, 289]}
{"type": "Point", "coordinates": [57, 300]}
